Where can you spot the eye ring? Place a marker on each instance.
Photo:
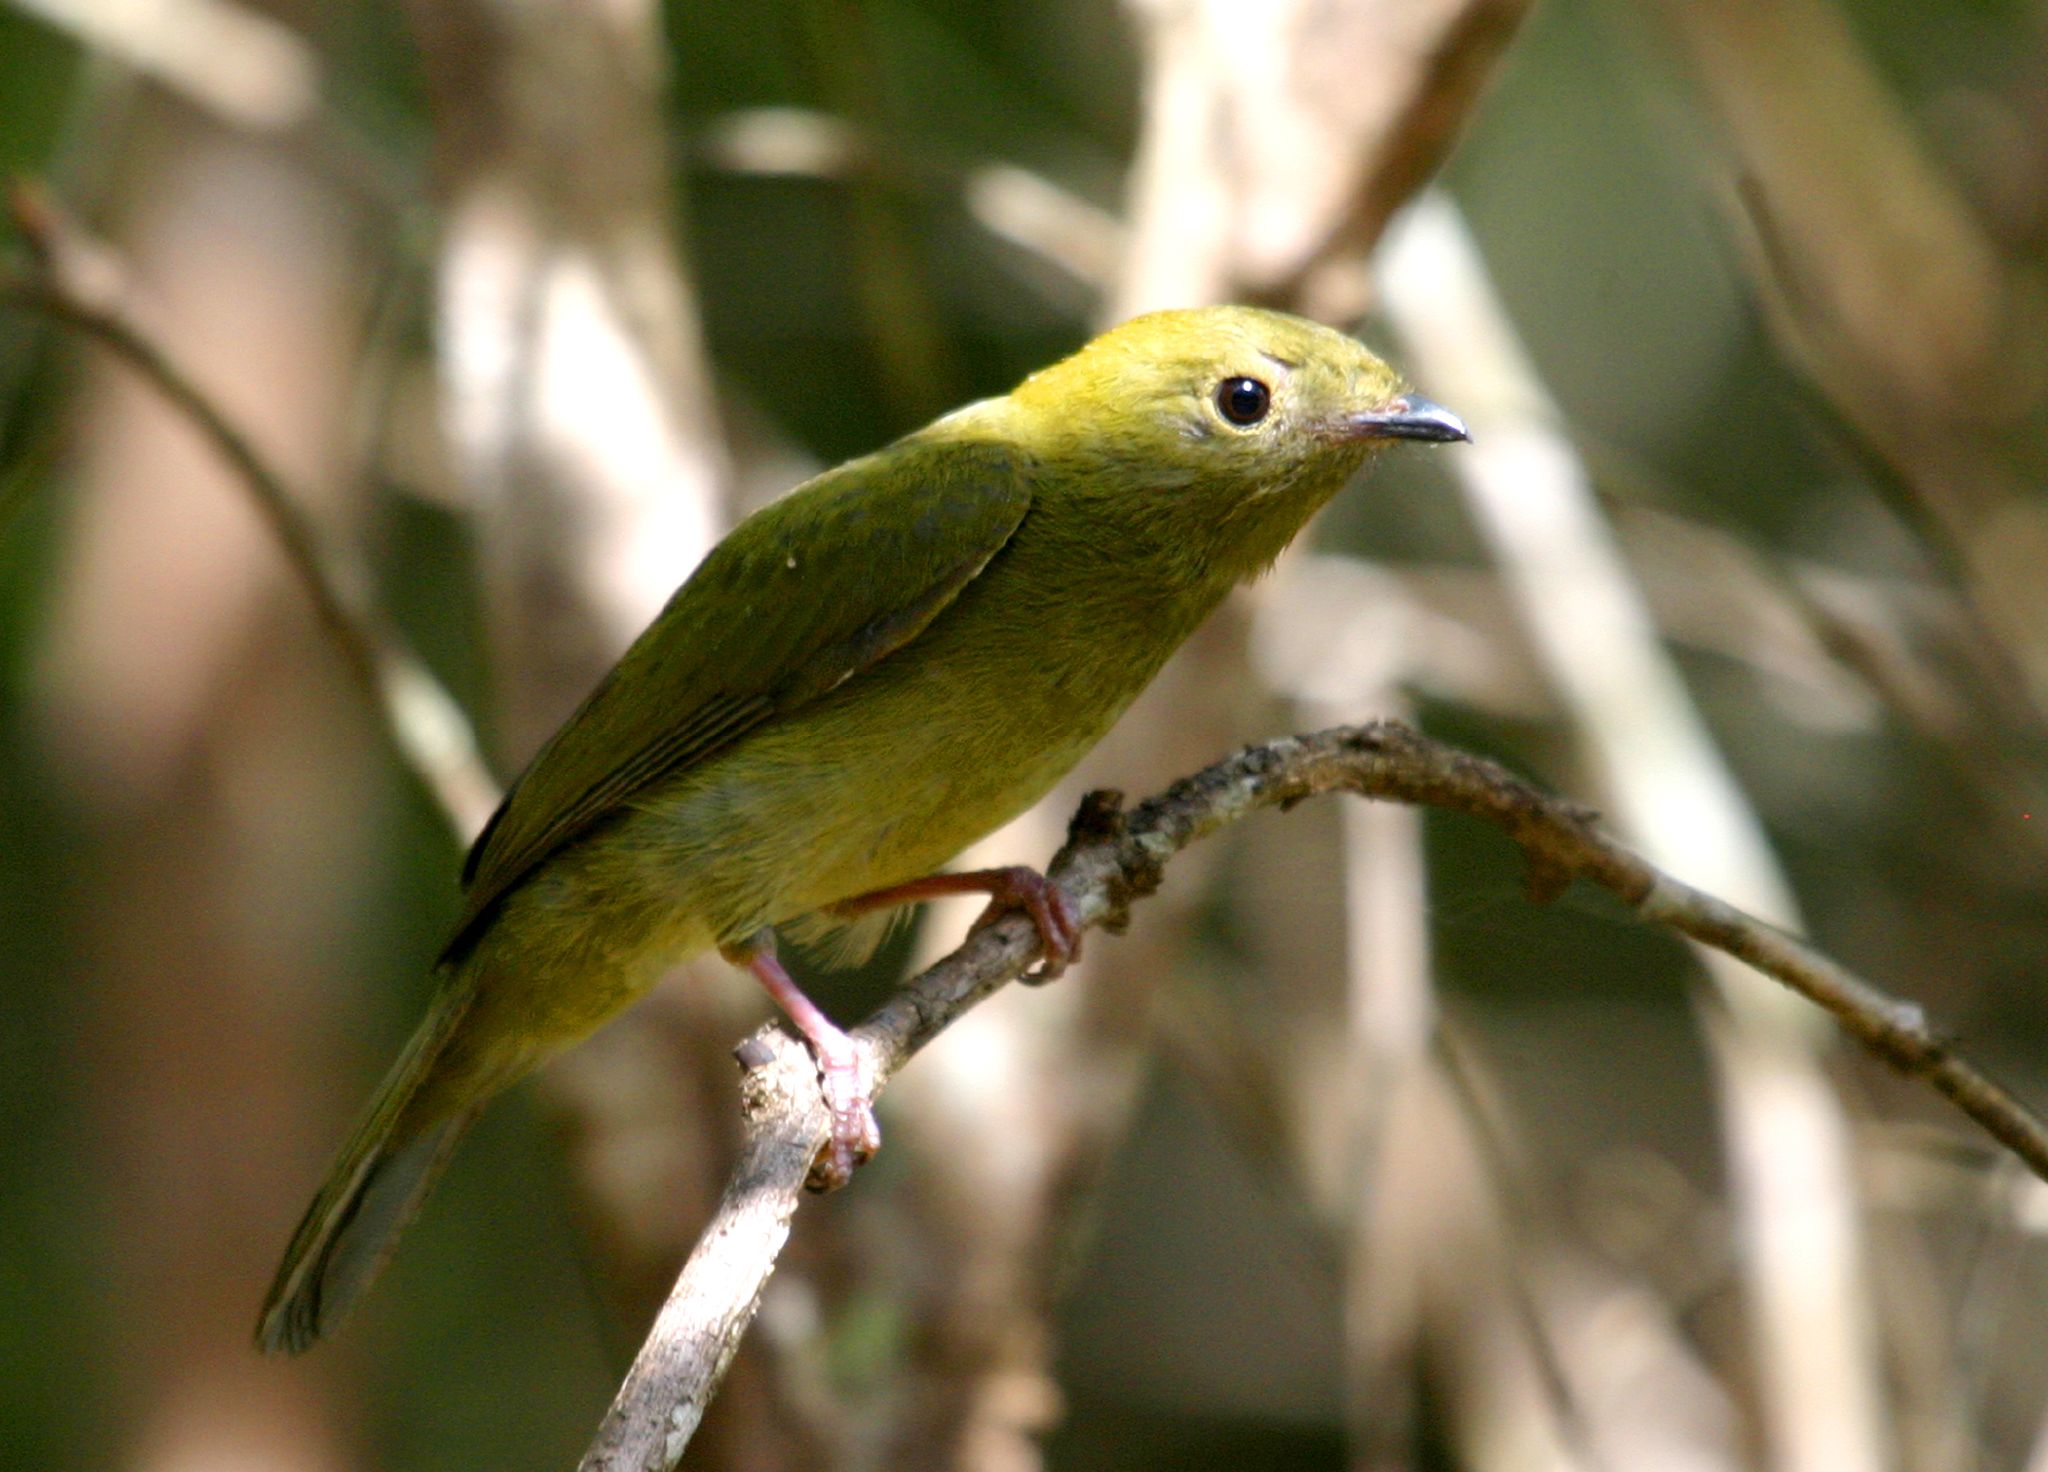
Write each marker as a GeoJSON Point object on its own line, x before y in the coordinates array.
{"type": "Point", "coordinates": [1243, 401]}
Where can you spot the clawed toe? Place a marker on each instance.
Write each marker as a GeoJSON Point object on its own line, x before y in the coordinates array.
{"type": "Point", "coordinates": [855, 1134]}
{"type": "Point", "coordinates": [1058, 932]}
{"type": "Point", "coordinates": [1059, 928]}
{"type": "Point", "coordinates": [1013, 888]}
{"type": "Point", "coordinates": [848, 1095]}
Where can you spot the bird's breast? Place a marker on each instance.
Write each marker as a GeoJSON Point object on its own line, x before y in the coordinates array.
{"type": "Point", "coordinates": [887, 777]}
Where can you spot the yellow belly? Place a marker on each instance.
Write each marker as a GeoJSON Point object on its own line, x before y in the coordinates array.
{"type": "Point", "coordinates": [772, 830]}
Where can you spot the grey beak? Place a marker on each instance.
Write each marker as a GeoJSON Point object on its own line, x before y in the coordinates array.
{"type": "Point", "coordinates": [1410, 417]}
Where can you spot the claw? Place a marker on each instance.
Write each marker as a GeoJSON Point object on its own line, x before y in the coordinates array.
{"type": "Point", "coordinates": [855, 1135]}
{"type": "Point", "coordinates": [1059, 928]}
{"type": "Point", "coordinates": [1012, 888]}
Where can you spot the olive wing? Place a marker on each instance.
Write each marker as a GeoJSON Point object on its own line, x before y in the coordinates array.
{"type": "Point", "coordinates": [801, 597]}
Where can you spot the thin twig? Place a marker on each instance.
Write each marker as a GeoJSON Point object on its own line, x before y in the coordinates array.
{"type": "Point", "coordinates": [1112, 859]}
{"type": "Point", "coordinates": [427, 729]}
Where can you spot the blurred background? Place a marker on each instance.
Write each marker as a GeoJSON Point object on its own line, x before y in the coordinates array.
{"type": "Point", "coordinates": [1347, 1155]}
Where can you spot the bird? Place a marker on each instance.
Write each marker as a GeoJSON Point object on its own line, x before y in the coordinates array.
{"type": "Point", "coordinates": [864, 677]}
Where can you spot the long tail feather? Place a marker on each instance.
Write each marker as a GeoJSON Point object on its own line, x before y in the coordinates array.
{"type": "Point", "coordinates": [371, 1194]}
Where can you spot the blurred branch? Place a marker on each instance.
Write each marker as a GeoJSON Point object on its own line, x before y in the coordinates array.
{"type": "Point", "coordinates": [219, 787]}
{"type": "Point", "coordinates": [232, 59]}
{"type": "Point", "coordinates": [1278, 139]}
{"type": "Point", "coordinates": [1081, 239]}
{"type": "Point", "coordinates": [1874, 251]}
{"type": "Point", "coordinates": [1523, 1213]}
{"type": "Point", "coordinates": [1112, 859]}
{"type": "Point", "coordinates": [1820, 1393]}
{"type": "Point", "coordinates": [1431, 64]}
{"type": "Point", "coordinates": [426, 728]}
{"type": "Point", "coordinates": [1840, 650]}
{"type": "Point", "coordinates": [586, 426]}
{"type": "Point", "coordinates": [1881, 285]}
{"type": "Point", "coordinates": [888, 275]}
{"type": "Point", "coordinates": [576, 394]}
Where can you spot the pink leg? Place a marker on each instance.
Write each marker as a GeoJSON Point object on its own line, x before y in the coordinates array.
{"type": "Point", "coordinates": [855, 1135]}
{"type": "Point", "coordinates": [1013, 888]}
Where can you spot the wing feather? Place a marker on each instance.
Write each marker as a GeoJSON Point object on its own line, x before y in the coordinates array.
{"type": "Point", "coordinates": [801, 597]}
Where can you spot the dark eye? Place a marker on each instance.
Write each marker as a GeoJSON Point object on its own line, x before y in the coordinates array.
{"type": "Point", "coordinates": [1243, 400]}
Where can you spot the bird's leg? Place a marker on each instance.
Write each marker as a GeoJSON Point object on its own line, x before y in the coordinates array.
{"type": "Point", "coordinates": [855, 1135]}
{"type": "Point", "coordinates": [1011, 888]}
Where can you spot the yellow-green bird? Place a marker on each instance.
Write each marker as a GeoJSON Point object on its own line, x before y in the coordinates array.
{"type": "Point", "coordinates": [862, 679]}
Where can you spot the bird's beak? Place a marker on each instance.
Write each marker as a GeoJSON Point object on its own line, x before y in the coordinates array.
{"type": "Point", "coordinates": [1410, 417]}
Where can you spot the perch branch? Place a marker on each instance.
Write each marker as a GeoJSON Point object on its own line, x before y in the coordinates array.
{"type": "Point", "coordinates": [426, 728]}
{"type": "Point", "coordinates": [1113, 858]}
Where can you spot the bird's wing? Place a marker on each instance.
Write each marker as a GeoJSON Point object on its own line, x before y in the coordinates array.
{"type": "Point", "coordinates": [801, 597]}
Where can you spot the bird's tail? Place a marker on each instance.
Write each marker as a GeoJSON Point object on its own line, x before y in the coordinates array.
{"type": "Point", "coordinates": [370, 1196]}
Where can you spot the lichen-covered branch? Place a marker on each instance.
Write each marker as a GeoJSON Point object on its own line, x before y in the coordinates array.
{"type": "Point", "coordinates": [1113, 858]}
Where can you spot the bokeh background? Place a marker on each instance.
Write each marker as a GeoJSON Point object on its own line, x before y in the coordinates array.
{"type": "Point", "coordinates": [1347, 1155]}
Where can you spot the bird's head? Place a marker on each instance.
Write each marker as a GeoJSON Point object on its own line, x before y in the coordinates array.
{"type": "Point", "coordinates": [1243, 400]}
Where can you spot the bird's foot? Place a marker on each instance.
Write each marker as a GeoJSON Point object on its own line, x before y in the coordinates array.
{"type": "Point", "coordinates": [855, 1134]}
{"type": "Point", "coordinates": [1059, 928]}
{"type": "Point", "coordinates": [1013, 887]}
{"type": "Point", "coordinates": [849, 1099]}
